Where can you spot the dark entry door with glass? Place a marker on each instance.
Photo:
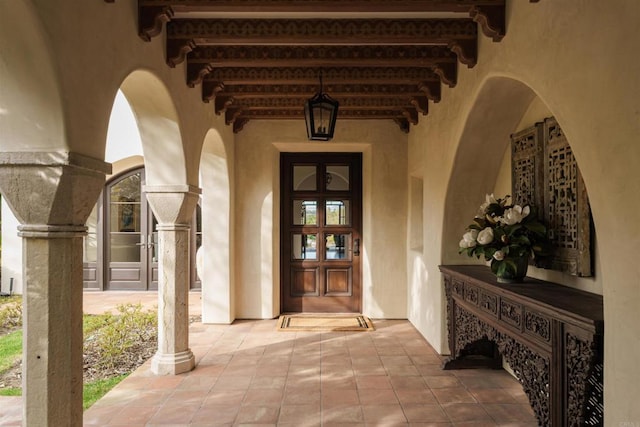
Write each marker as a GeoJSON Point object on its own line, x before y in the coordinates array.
{"type": "Point", "coordinates": [130, 230]}
{"type": "Point", "coordinates": [321, 215]}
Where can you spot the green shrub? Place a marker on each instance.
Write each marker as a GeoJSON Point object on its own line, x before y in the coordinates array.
{"type": "Point", "coordinates": [11, 313]}
{"type": "Point", "coordinates": [122, 332]}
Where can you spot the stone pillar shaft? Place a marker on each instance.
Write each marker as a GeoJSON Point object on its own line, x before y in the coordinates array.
{"type": "Point", "coordinates": [174, 355]}
{"type": "Point", "coordinates": [52, 330]}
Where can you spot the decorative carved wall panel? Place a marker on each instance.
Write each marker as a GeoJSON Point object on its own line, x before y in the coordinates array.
{"type": "Point", "coordinates": [566, 204]}
{"type": "Point", "coordinates": [551, 336]}
{"type": "Point", "coordinates": [545, 173]}
{"type": "Point", "coordinates": [527, 168]}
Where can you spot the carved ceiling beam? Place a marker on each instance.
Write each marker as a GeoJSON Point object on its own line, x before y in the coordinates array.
{"type": "Point", "coordinates": [222, 103]}
{"type": "Point", "coordinates": [404, 124]}
{"type": "Point", "coordinates": [421, 104]}
{"type": "Point", "coordinates": [200, 66]}
{"type": "Point", "coordinates": [151, 18]}
{"type": "Point", "coordinates": [430, 90]}
{"type": "Point", "coordinates": [489, 14]}
{"type": "Point", "coordinates": [298, 102]}
{"type": "Point", "coordinates": [298, 114]}
{"type": "Point", "coordinates": [491, 19]}
{"type": "Point", "coordinates": [458, 34]}
{"type": "Point", "coordinates": [319, 6]}
{"type": "Point", "coordinates": [322, 56]}
{"type": "Point", "coordinates": [331, 75]}
{"type": "Point", "coordinates": [308, 90]}
{"type": "Point", "coordinates": [322, 31]}
{"type": "Point", "coordinates": [411, 114]}
{"type": "Point", "coordinates": [240, 118]}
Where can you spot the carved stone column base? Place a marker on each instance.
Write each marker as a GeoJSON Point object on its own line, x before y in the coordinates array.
{"type": "Point", "coordinates": [173, 364]}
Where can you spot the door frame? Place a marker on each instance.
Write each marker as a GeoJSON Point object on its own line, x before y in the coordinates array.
{"type": "Point", "coordinates": [356, 160]}
{"type": "Point", "coordinates": [146, 244]}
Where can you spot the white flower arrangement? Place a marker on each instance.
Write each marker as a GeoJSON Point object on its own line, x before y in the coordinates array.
{"type": "Point", "coordinates": [504, 235]}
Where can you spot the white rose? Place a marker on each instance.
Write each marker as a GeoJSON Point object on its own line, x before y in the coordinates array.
{"type": "Point", "coordinates": [498, 255]}
{"type": "Point", "coordinates": [469, 239]}
{"type": "Point", "coordinates": [485, 236]}
{"type": "Point", "coordinates": [514, 215]}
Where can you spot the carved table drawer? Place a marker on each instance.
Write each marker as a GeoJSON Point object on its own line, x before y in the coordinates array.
{"type": "Point", "coordinates": [537, 325]}
{"type": "Point", "coordinates": [489, 303]}
{"type": "Point", "coordinates": [511, 313]}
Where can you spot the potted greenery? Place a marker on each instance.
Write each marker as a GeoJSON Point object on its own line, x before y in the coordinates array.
{"type": "Point", "coordinates": [508, 236]}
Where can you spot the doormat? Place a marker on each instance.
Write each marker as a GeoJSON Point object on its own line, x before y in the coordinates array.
{"type": "Point", "coordinates": [324, 323]}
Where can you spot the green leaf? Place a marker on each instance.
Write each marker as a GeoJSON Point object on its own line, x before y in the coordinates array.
{"type": "Point", "coordinates": [536, 227]}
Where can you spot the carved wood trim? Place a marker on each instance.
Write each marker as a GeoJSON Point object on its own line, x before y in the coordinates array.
{"type": "Point", "coordinates": [550, 335]}
{"type": "Point", "coordinates": [531, 368]}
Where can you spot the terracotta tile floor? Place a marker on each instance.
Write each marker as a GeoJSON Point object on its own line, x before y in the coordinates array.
{"type": "Point", "coordinates": [248, 374]}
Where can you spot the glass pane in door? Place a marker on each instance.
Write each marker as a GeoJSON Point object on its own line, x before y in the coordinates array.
{"type": "Point", "coordinates": [304, 246]}
{"type": "Point", "coordinates": [305, 212]}
{"type": "Point", "coordinates": [337, 212]}
{"type": "Point", "coordinates": [336, 246]}
{"type": "Point", "coordinates": [304, 178]}
{"type": "Point", "coordinates": [337, 178]}
{"type": "Point", "coordinates": [125, 220]}
{"type": "Point", "coordinates": [124, 247]}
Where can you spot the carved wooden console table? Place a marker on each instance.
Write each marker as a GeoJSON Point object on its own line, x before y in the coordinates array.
{"type": "Point", "coordinates": [551, 336]}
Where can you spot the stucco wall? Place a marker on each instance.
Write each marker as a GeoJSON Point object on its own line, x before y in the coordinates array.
{"type": "Point", "coordinates": [588, 80]}
{"type": "Point", "coordinates": [257, 199]}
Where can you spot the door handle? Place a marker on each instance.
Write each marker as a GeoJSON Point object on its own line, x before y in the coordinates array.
{"type": "Point", "coordinates": [146, 241]}
{"type": "Point", "coordinates": [356, 247]}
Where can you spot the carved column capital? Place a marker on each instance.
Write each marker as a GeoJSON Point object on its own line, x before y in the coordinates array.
{"type": "Point", "coordinates": [172, 204]}
{"type": "Point", "coordinates": [51, 188]}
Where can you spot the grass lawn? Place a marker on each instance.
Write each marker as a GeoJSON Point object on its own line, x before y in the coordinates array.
{"type": "Point", "coordinates": [93, 391]}
{"type": "Point", "coordinates": [10, 349]}
{"type": "Point", "coordinates": [11, 353]}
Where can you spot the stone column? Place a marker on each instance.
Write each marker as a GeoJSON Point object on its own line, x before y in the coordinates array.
{"type": "Point", "coordinates": [173, 206]}
{"type": "Point", "coordinates": [52, 194]}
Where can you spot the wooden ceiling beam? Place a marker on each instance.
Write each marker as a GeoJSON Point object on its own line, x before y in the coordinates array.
{"type": "Point", "coordinates": [321, 56]}
{"type": "Point", "coordinates": [183, 35]}
{"type": "Point", "coordinates": [381, 59]}
{"type": "Point", "coordinates": [153, 14]}
{"type": "Point", "coordinates": [213, 78]}
{"type": "Point", "coordinates": [335, 90]}
{"type": "Point", "coordinates": [233, 32]}
{"type": "Point", "coordinates": [319, 6]}
{"type": "Point", "coordinates": [430, 90]}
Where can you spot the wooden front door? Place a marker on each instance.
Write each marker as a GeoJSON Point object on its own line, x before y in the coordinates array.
{"type": "Point", "coordinates": [321, 229]}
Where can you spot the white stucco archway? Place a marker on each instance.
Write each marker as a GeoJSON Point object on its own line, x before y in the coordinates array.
{"type": "Point", "coordinates": [159, 127]}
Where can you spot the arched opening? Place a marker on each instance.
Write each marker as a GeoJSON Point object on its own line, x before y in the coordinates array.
{"type": "Point", "coordinates": [217, 233]}
{"type": "Point", "coordinates": [483, 166]}
{"type": "Point", "coordinates": [120, 251]}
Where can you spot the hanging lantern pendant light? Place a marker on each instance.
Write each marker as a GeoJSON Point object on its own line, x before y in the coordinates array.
{"type": "Point", "coordinates": [320, 114]}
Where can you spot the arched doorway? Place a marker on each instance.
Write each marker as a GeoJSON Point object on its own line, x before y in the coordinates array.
{"type": "Point", "coordinates": [120, 251]}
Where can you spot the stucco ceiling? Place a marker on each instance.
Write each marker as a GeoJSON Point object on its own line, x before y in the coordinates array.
{"type": "Point", "coordinates": [381, 59]}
